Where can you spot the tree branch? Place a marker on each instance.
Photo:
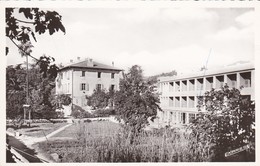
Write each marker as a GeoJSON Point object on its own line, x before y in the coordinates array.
{"type": "Point", "coordinates": [23, 50]}
{"type": "Point", "coordinates": [27, 22]}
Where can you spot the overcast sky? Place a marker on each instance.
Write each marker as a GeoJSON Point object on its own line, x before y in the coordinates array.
{"type": "Point", "coordinates": [158, 39]}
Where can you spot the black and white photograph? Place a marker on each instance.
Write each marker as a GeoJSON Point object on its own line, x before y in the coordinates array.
{"type": "Point", "coordinates": [130, 83]}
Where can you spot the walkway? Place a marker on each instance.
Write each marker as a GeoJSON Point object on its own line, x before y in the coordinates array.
{"type": "Point", "coordinates": [21, 151]}
{"type": "Point", "coordinates": [22, 145]}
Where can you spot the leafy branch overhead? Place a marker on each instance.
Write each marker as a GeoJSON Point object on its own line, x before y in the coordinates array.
{"type": "Point", "coordinates": [41, 20]}
{"type": "Point", "coordinates": [35, 21]}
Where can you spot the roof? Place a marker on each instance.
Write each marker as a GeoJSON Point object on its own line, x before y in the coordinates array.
{"type": "Point", "coordinates": [85, 65]}
{"type": "Point", "coordinates": [208, 73]}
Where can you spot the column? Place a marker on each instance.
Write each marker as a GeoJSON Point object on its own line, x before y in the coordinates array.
{"type": "Point", "coordinates": [225, 79]}
{"type": "Point", "coordinates": [238, 80]}
{"type": "Point", "coordinates": [195, 85]}
{"type": "Point", "coordinates": [204, 84]}
{"type": "Point", "coordinates": [187, 118]}
{"type": "Point", "coordinates": [214, 82]}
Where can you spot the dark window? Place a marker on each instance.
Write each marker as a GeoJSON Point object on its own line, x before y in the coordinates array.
{"type": "Point", "coordinates": [83, 86]}
{"type": "Point", "coordinates": [83, 74]}
{"type": "Point", "coordinates": [98, 86]}
{"type": "Point", "coordinates": [99, 75]}
{"type": "Point", "coordinates": [112, 75]}
{"type": "Point", "coordinates": [112, 87]}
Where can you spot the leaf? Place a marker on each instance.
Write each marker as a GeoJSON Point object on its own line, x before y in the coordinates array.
{"type": "Point", "coordinates": [62, 28]}
{"type": "Point", "coordinates": [6, 50]}
{"type": "Point", "coordinates": [27, 12]}
{"type": "Point", "coordinates": [33, 36]}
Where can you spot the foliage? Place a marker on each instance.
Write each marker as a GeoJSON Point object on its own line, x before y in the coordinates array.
{"type": "Point", "coordinates": [228, 122]}
{"type": "Point", "coordinates": [61, 99]}
{"type": "Point", "coordinates": [14, 104]}
{"type": "Point", "coordinates": [104, 112]}
{"type": "Point", "coordinates": [107, 142]}
{"type": "Point", "coordinates": [41, 92]}
{"type": "Point", "coordinates": [23, 31]}
{"type": "Point", "coordinates": [136, 101]}
{"type": "Point", "coordinates": [78, 112]}
{"type": "Point", "coordinates": [99, 99]}
{"type": "Point", "coordinates": [155, 77]}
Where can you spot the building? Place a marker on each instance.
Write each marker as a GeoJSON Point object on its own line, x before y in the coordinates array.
{"type": "Point", "coordinates": [81, 78]}
{"type": "Point", "coordinates": [179, 95]}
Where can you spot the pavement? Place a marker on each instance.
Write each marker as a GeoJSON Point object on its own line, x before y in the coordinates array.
{"type": "Point", "coordinates": [20, 152]}
{"type": "Point", "coordinates": [22, 146]}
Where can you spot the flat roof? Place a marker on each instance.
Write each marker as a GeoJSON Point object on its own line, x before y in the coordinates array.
{"type": "Point", "coordinates": [207, 73]}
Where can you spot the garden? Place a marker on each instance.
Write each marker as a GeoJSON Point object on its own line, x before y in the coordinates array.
{"type": "Point", "coordinates": [104, 141]}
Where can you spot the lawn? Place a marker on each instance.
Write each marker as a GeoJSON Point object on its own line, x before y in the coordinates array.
{"type": "Point", "coordinates": [104, 141]}
{"type": "Point", "coordinates": [38, 129]}
{"type": "Point", "coordinates": [89, 129]}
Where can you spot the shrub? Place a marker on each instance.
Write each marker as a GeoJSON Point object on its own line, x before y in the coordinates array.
{"type": "Point", "coordinates": [78, 112]}
{"type": "Point", "coordinates": [227, 124]}
{"type": "Point", "coordinates": [104, 112]}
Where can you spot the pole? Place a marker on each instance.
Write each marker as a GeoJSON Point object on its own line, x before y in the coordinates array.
{"type": "Point", "coordinates": [27, 89]}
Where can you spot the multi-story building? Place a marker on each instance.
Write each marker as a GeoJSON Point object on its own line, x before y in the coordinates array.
{"type": "Point", "coordinates": [179, 95]}
{"type": "Point", "coordinates": [81, 78]}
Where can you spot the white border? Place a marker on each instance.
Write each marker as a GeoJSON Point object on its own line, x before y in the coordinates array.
{"type": "Point", "coordinates": [126, 4]}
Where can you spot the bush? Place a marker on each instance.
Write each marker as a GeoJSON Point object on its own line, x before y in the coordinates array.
{"type": "Point", "coordinates": [104, 112]}
{"type": "Point", "coordinates": [78, 112]}
{"type": "Point", "coordinates": [228, 123]}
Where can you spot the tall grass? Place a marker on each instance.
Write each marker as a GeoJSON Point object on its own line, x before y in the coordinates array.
{"type": "Point", "coordinates": [105, 142]}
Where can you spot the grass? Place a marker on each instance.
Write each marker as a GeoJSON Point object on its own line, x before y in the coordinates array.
{"type": "Point", "coordinates": [108, 142]}
{"type": "Point", "coordinates": [38, 129]}
{"type": "Point", "coordinates": [89, 129]}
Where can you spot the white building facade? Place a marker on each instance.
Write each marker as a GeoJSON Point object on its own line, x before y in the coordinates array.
{"type": "Point", "coordinates": [179, 95]}
{"type": "Point", "coordinates": [81, 78]}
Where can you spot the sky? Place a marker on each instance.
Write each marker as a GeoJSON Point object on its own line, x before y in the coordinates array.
{"type": "Point", "coordinates": [157, 39]}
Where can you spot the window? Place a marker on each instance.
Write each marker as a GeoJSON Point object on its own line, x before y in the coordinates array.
{"type": "Point", "coordinates": [98, 86]}
{"type": "Point", "coordinates": [68, 75]}
{"type": "Point", "coordinates": [83, 74]}
{"type": "Point", "coordinates": [112, 75]}
{"type": "Point", "coordinates": [112, 87]}
{"type": "Point", "coordinates": [83, 86]}
{"type": "Point", "coordinates": [99, 75]}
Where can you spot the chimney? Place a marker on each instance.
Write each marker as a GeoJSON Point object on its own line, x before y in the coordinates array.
{"type": "Point", "coordinates": [90, 62]}
{"type": "Point", "coordinates": [78, 58]}
{"type": "Point", "coordinates": [71, 61]}
{"type": "Point", "coordinates": [113, 63]}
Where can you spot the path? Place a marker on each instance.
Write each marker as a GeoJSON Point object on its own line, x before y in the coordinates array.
{"type": "Point", "coordinates": [22, 145]}
{"type": "Point", "coordinates": [18, 147]}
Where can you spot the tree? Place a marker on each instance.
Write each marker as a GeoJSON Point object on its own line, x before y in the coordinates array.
{"type": "Point", "coordinates": [227, 123]}
{"type": "Point", "coordinates": [99, 99]}
{"type": "Point", "coordinates": [136, 101]}
{"type": "Point", "coordinates": [155, 77]}
{"type": "Point", "coordinates": [20, 32]}
{"type": "Point", "coordinates": [15, 94]}
{"type": "Point", "coordinates": [60, 99]}
{"type": "Point", "coordinates": [41, 93]}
